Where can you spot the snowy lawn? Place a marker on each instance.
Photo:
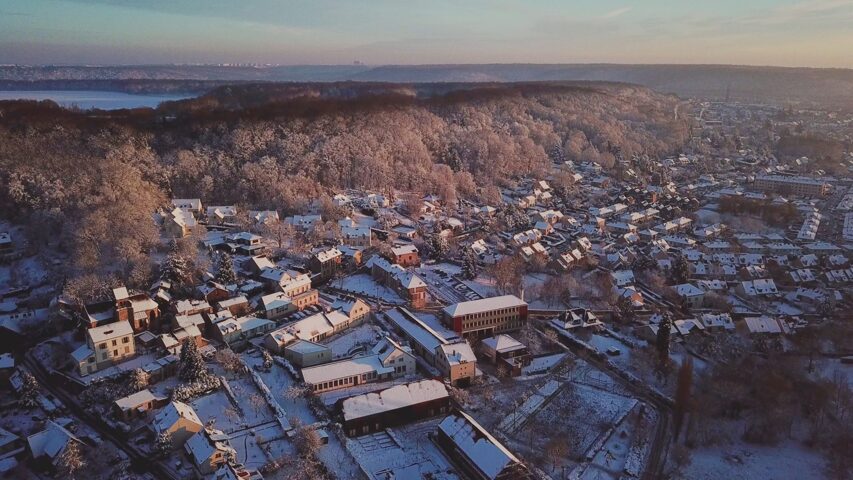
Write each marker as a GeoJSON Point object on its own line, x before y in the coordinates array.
{"type": "Point", "coordinates": [364, 284]}
{"type": "Point", "coordinates": [748, 462]}
{"type": "Point", "coordinates": [359, 339]}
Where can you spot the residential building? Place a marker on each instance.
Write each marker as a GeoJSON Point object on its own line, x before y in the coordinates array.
{"type": "Point", "coordinates": [805, 186]}
{"type": "Point", "coordinates": [137, 405]}
{"type": "Point", "coordinates": [406, 284]}
{"type": "Point", "coordinates": [105, 346]}
{"type": "Point", "coordinates": [406, 256]}
{"type": "Point", "coordinates": [179, 421]}
{"type": "Point", "coordinates": [312, 328]}
{"type": "Point", "coordinates": [209, 449]}
{"type": "Point", "coordinates": [326, 262]}
{"type": "Point", "coordinates": [506, 351]}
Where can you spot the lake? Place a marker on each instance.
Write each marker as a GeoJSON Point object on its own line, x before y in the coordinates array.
{"type": "Point", "coordinates": [87, 99]}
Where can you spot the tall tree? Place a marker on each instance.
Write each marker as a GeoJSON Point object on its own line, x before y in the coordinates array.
{"type": "Point", "coordinates": [225, 269]}
{"type": "Point", "coordinates": [470, 267]}
{"type": "Point", "coordinates": [28, 395]}
{"type": "Point", "coordinates": [192, 364]}
{"type": "Point", "coordinates": [71, 459]}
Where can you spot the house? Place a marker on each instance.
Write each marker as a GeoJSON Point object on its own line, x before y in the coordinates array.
{"type": "Point", "coordinates": [105, 346]}
{"type": "Point", "coordinates": [353, 307]}
{"type": "Point", "coordinates": [690, 294]}
{"type": "Point", "coordinates": [213, 292]}
{"type": "Point", "coordinates": [406, 284]}
{"type": "Point", "coordinates": [717, 321]}
{"type": "Point", "coordinates": [179, 421]}
{"type": "Point", "coordinates": [356, 236]}
{"type": "Point", "coordinates": [235, 306]}
{"type": "Point", "coordinates": [386, 360]}
{"type": "Point", "coordinates": [622, 278]}
{"type": "Point", "coordinates": [209, 449]}
{"type": "Point", "coordinates": [398, 405]}
{"type": "Point", "coordinates": [476, 452]}
{"type": "Point", "coordinates": [48, 444]}
{"type": "Point", "coordinates": [220, 215]}
{"type": "Point", "coordinates": [303, 353]}
{"type": "Point", "coordinates": [405, 256]}
{"type": "Point", "coordinates": [326, 262]}
{"type": "Point", "coordinates": [760, 287]}
{"type": "Point", "coordinates": [258, 264]}
{"type": "Point", "coordinates": [487, 316]}
{"type": "Point", "coordinates": [457, 362]}
{"type": "Point", "coordinates": [192, 205]}
{"type": "Point", "coordinates": [246, 243]}
{"type": "Point", "coordinates": [264, 217]}
{"type": "Point", "coordinates": [277, 305]}
{"type": "Point", "coordinates": [764, 325]}
{"type": "Point", "coordinates": [507, 351]}
{"type": "Point", "coordinates": [577, 318]}
{"type": "Point", "coordinates": [139, 309]}
{"type": "Point", "coordinates": [137, 405]}
{"type": "Point", "coordinates": [192, 307]}
{"type": "Point", "coordinates": [312, 328]}
{"type": "Point", "coordinates": [180, 223]}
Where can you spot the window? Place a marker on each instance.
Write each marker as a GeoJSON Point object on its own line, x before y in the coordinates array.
{"type": "Point", "coordinates": [103, 346]}
{"type": "Point", "coordinates": [115, 342]}
{"type": "Point", "coordinates": [125, 339]}
{"type": "Point", "coordinates": [126, 349]}
{"type": "Point", "coordinates": [115, 353]}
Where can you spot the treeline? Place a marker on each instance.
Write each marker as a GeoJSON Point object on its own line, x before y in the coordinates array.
{"type": "Point", "coordinates": [92, 179]}
{"type": "Point", "coordinates": [775, 214]}
{"type": "Point", "coordinates": [792, 146]}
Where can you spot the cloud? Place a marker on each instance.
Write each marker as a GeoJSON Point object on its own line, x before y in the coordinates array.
{"type": "Point", "coordinates": [617, 12]}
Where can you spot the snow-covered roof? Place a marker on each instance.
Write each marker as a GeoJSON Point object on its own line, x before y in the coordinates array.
{"type": "Point", "coordinates": [459, 352]}
{"type": "Point", "coordinates": [136, 399]}
{"type": "Point", "coordinates": [397, 397]}
{"type": "Point", "coordinates": [484, 305]}
{"type": "Point", "coordinates": [51, 441]}
{"type": "Point", "coordinates": [404, 250]}
{"type": "Point", "coordinates": [110, 331]}
{"type": "Point", "coordinates": [205, 443]}
{"type": "Point", "coordinates": [483, 450]}
{"type": "Point", "coordinates": [503, 343]}
{"type": "Point", "coordinates": [171, 413]}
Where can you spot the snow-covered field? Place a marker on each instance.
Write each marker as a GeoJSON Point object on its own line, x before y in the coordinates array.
{"type": "Point", "coordinates": [750, 462]}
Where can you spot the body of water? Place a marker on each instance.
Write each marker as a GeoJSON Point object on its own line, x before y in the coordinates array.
{"type": "Point", "coordinates": [88, 99]}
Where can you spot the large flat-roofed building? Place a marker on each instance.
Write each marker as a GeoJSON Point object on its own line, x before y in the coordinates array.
{"type": "Point", "coordinates": [486, 317]}
{"type": "Point", "coordinates": [792, 185]}
{"type": "Point", "coordinates": [387, 360]}
{"type": "Point", "coordinates": [394, 406]}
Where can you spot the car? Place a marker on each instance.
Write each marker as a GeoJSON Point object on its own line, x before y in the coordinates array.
{"type": "Point", "coordinates": [613, 351]}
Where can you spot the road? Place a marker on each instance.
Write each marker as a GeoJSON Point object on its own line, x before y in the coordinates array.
{"type": "Point", "coordinates": [138, 460]}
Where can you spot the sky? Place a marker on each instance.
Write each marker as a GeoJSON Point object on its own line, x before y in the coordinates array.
{"type": "Point", "coordinates": [814, 33]}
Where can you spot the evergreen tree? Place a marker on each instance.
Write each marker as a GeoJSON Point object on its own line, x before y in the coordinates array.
{"type": "Point", "coordinates": [28, 395]}
{"type": "Point", "coordinates": [225, 269]}
{"type": "Point", "coordinates": [662, 341]}
{"type": "Point", "coordinates": [177, 268]}
{"type": "Point", "coordinates": [267, 359]}
{"type": "Point", "coordinates": [192, 368]}
{"type": "Point", "coordinates": [163, 446]}
{"type": "Point", "coordinates": [138, 380]}
{"type": "Point", "coordinates": [70, 460]}
{"type": "Point", "coordinates": [680, 270]}
{"type": "Point", "coordinates": [438, 246]}
{"type": "Point", "coordinates": [470, 267]}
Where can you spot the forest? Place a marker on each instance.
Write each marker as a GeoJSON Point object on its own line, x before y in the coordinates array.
{"type": "Point", "coordinates": [91, 180]}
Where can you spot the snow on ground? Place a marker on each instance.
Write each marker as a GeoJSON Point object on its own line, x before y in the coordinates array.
{"type": "Point", "coordinates": [333, 455]}
{"type": "Point", "coordinates": [364, 284]}
{"type": "Point", "coordinates": [542, 364]}
{"type": "Point", "coordinates": [216, 407]}
{"type": "Point", "coordinates": [483, 285]}
{"type": "Point", "coordinates": [406, 450]}
{"type": "Point", "coordinates": [448, 268]}
{"type": "Point", "coordinates": [348, 342]}
{"type": "Point", "coordinates": [749, 462]}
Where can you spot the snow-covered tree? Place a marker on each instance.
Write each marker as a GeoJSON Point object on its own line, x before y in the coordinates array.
{"type": "Point", "coordinates": [470, 268]}
{"type": "Point", "coordinates": [138, 380]}
{"type": "Point", "coordinates": [28, 395]}
{"type": "Point", "coordinates": [70, 460]}
{"type": "Point", "coordinates": [225, 269]}
{"type": "Point", "coordinates": [177, 268]}
{"type": "Point", "coordinates": [192, 364]}
{"type": "Point", "coordinates": [163, 445]}
{"type": "Point", "coordinates": [267, 359]}
{"type": "Point", "coordinates": [662, 340]}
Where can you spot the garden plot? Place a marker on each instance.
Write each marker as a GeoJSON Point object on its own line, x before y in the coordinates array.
{"type": "Point", "coordinates": [579, 416]}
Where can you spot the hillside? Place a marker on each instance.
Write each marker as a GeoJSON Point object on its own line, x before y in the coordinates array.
{"type": "Point", "coordinates": [93, 178]}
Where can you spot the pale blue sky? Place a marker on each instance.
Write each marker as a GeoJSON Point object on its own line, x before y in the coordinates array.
{"type": "Point", "coordinates": [760, 32]}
